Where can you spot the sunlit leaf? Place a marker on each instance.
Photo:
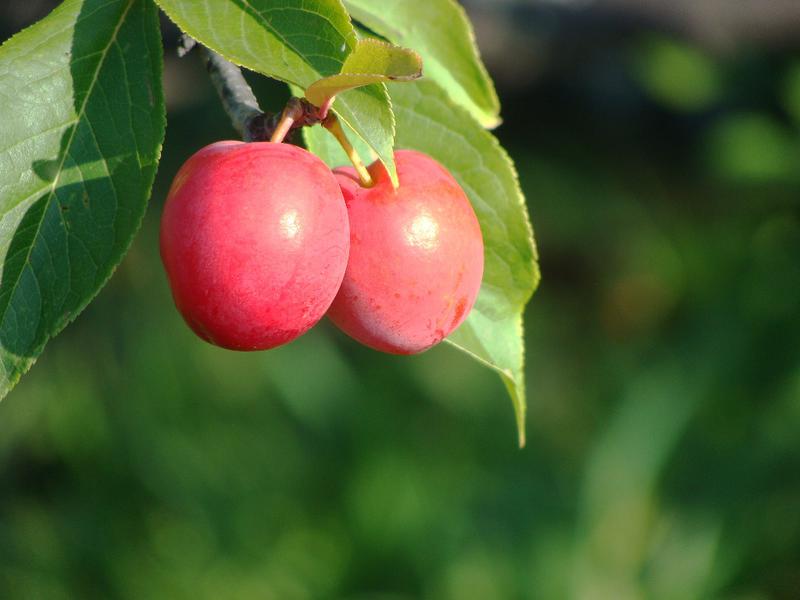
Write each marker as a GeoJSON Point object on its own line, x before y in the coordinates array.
{"type": "Point", "coordinates": [428, 121]}
{"type": "Point", "coordinates": [442, 34]}
{"type": "Point", "coordinates": [372, 61]}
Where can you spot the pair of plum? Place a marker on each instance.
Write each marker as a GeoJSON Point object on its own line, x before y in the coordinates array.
{"type": "Point", "coordinates": [260, 240]}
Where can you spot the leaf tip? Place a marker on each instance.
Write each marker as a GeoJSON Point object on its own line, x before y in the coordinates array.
{"type": "Point", "coordinates": [519, 415]}
{"type": "Point", "coordinates": [393, 176]}
{"type": "Point", "coordinates": [492, 121]}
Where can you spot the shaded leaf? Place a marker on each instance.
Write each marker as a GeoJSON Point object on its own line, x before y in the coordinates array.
{"type": "Point", "coordinates": [82, 117]}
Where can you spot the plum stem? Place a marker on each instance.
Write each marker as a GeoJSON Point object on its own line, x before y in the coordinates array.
{"type": "Point", "coordinates": [331, 123]}
{"type": "Point", "coordinates": [293, 115]}
{"type": "Point", "coordinates": [326, 107]}
{"type": "Point", "coordinates": [253, 124]}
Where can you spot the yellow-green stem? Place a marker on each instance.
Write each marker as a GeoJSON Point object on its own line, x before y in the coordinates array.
{"type": "Point", "coordinates": [331, 123]}
{"type": "Point", "coordinates": [291, 113]}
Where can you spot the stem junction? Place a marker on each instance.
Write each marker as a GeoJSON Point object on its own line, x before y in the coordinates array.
{"type": "Point", "coordinates": [253, 124]}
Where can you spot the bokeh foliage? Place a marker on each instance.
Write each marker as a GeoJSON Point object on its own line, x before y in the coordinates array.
{"type": "Point", "coordinates": [663, 361]}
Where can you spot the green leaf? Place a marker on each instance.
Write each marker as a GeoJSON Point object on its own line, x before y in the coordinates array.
{"type": "Point", "coordinates": [296, 41]}
{"type": "Point", "coordinates": [373, 61]}
{"type": "Point", "coordinates": [428, 121]}
{"type": "Point", "coordinates": [442, 34]}
{"type": "Point", "coordinates": [375, 56]}
{"type": "Point", "coordinates": [82, 119]}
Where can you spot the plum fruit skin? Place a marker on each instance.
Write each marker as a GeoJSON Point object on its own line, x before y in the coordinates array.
{"type": "Point", "coordinates": [254, 240]}
{"type": "Point", "coordinates": [416, 256]}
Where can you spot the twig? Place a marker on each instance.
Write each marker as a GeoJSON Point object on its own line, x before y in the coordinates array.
{"type": "Point", "coordinates": [293, 116]}
{"type": "Point", "coordinates": [238, 100]}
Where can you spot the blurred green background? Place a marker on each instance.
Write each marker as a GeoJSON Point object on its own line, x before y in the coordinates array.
{"type": "Point", "coordinates": [661, 161]}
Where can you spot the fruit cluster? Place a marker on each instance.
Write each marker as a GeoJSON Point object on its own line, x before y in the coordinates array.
{"type": "Point", "coordinates": [261, 239]}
